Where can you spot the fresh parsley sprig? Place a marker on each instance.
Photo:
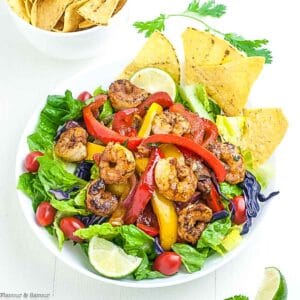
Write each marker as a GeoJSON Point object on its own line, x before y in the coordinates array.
{"type": "Point", "coordinates": [198, 11]}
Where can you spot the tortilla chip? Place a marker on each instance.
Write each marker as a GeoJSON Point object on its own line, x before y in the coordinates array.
{"type": "Point", "coordinates": [28, 7]}
{"type": "Point", "coordinates": [264, 130]}
{"type": "Point", "coordinates": [158, 52]}
{"type": "Point", "coordinates": [86, 24]}
{"type": "Point", "coordinates": [72, 18]}
{"type": "Point", "coordinates": [59, 25]}
{"type": "Point", "coordinates": [98, 11]}
{"type": "Point", "coordinates": [46, 13]}
{"type": "Point", "coordinates": [18, 7]}
{"type": "Point", "coordinates": [204, 49]}
{"type": "Point", "coordinates": [228, 84]}
{"type": "Point", "coordinates": [120, 5]}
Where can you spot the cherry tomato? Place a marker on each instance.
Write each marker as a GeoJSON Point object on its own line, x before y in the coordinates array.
{"type": "Point", "coordinates": [45, 214]}
{"type": "Point", "coordinates": [167, 263]}
{"type": "Point", "coordinates": [31, 164]}
{"type": "Point", "coordinates": [84, 96]}
{"type": "Point", "coordinates": [69, 225]}
{"type": "Point", "coordinates": [239, 210]}
{"type": "Point", "coordinates": [152, 231]}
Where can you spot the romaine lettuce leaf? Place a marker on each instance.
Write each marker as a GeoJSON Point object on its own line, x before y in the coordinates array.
{"type": "Point", "coordinates": [231, 129]}
{"type": "Point", "coordinates": [230, 190]}
{"type": "Point", "coordinates": [196, 99]}
{"type": "Point", "coordinates": [31, 185]}
{"type": "Point", "coordinates": [214, 234]}
{"type": "Point", "coordinates": [53, 175]}
{"type": "Point", "coordinates": [106, 111]}
{"type": "Point", "coordinates": [192, 259]}
{"type": "Point", "coordinates": [68, 206]}
{"type": "Point", "coordinates": [144, 271]}
{"type": "Point", "coordinates": [57, 111]}
{"type": "Point", "coordinates": [106, 231]}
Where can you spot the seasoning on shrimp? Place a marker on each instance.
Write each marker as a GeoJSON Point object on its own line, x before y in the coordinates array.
{"type": "Point", "coordinates": [116, 164]}
{"type": "Point", "coordinates": [71, 145]}
{"type": "Point", "coordinates": [233, 160]}
{"type": "Point", "coordinates": [123, 94]}
{"type": "Point", "coordinates": [174, 179]}
{"type": "Point", "coordinates": [170, 122]}
{"type": "Point", "coordinates": [192, 220]}
{"type": "Point", "coordinates": [98, 200]}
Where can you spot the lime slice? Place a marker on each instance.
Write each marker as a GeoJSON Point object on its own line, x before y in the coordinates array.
{"type": "Point", "coordinates": [273, 286]}
{"type": "Point", "coordinates": [155, 80]}
{"type": "Point", "coordinates": [110, 260]}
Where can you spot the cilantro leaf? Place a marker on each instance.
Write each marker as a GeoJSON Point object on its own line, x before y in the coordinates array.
{"type": "Point", "coordinates": [149, 27]}
{"type": "Point", "coordinates": [250, 47]}
{"type": "Point", "coordinates": [208, 8]}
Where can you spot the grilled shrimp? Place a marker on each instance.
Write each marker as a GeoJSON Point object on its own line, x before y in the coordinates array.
{"type": "Point", "coordinates": [99, 201]}
{"type": "Point", "coordinates": [123, 94]}
{"type": "Point", "coordinates": [232, 159]}
{"type": "Point", "coordinates": [192, 221]}
{"type": "Point", "coordinates": [170, 122]}
{"type": "Point", "coordinates": [71, 145]}
{"type": "Point", "coordinates": [116, 164]}
{"type": "Point", "coordinates": [174, 179]}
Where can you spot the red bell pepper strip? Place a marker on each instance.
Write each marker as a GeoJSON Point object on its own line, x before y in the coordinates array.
{"type": "Point", "coordinates": [204, 131]}
{"type": "Point", "coordinates": [209, 158]}
{"type": "Point", "coordinates": [161, 98]}
{"type": "Point", "coordinates": [152, 231]}
{"type": "Point", "coordinates": [144, 190]}
{"type": "Point", "coordinates": [100, 131]}
{"type": "Point", "coordinates": [213, 200]}
{"type": "Point", "coordinates": [123, 122]}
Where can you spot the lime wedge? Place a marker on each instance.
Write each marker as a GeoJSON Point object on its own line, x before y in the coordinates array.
{"type": "Point", "coordinates": [110, 260]}
{"type": "Point", "coordinates": [155, 80]}
{"type": "Point", "coordinates": [273, 286]}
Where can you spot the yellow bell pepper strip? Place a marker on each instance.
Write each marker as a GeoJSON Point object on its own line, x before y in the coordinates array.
{"type": "Point", "coordinates": [170, 150]}
{"type": "Point", "coordinates": [118, 188]}
{"type": "Point", "coordinates": [167, 220]}
{"type": "Point", "coordinates": [145, 129]}
{"type": "Point", "coordinates": [93, 149]}
{"type": "Point", "coordinates": [141, 164]}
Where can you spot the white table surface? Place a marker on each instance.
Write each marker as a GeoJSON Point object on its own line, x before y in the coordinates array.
{"type": "Point", "coordinates": [26, 76]}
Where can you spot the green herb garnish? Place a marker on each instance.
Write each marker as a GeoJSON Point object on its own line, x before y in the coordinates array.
{"type": "Point", "coordinates": [198, 11]}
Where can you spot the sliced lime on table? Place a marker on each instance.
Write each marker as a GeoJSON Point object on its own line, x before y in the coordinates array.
{"type": "Point", "coordinates": [155, 80]}
{"type": "Point", "coordinates": [110, 260]}
{"type": "Point", "coordinates": [273, 286]}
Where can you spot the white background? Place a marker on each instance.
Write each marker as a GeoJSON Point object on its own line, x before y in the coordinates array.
{"type": "Point", "coordinates": [26, 77]}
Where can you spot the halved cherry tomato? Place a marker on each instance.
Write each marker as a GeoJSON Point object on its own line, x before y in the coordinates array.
{"type": "Point", "coordinates": [31, 164]}
{"type": "Point", "coordinates": [45, 214]}
{"type": "Point", "coordinates": [152, 231]}
{"type": "Point", "coordinates": [84, 96]}
{"type": "Point", "coordinates": [69, 225]}
{"type": "Point", "coordinates": [239, 204]}
{"type": "Point", "coordinates": [167, 263]}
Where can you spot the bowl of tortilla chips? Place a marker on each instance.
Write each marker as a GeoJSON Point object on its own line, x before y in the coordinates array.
{"type": "Point", "coordinates": [69, 29]}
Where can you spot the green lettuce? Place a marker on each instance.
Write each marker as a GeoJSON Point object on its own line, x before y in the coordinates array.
{"type": "Point", "coordinates": [192, 259]}
{"type": "Point", "coordinates": [231, 129]}
{"type": "Point", "coordinates": [197, 100]}
{"type": "Point", "coordinates": [31, 185]}
{"type": "Point", "coordinates": [53, 175]}
{"type": "Point", "coordinates": [68, 206]}
{"type": "Point", "coordinates": [106, 231]}
{"type": "Point", "coordinates": [99, 91]}
{"type": "Point", "coordinates": [106, 111]}
{"type": "Point", "coordinates": [214, 234]}
{"type": "Point", "coordinates": [230, 190]}
{"type": "Point", "coordinates": [238, 297]}
{"type": "Point", "coordinates": [56, 112]}
{"type": "Point", "coordinates": [144, 271]}
{"type": "Point", "coordinates": [57, 231]}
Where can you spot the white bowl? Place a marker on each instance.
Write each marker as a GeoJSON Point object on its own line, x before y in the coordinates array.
{"type": "Point", "coordinates": [73, 256]}
{"type": "Point", "coordinates": [74, 45]}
